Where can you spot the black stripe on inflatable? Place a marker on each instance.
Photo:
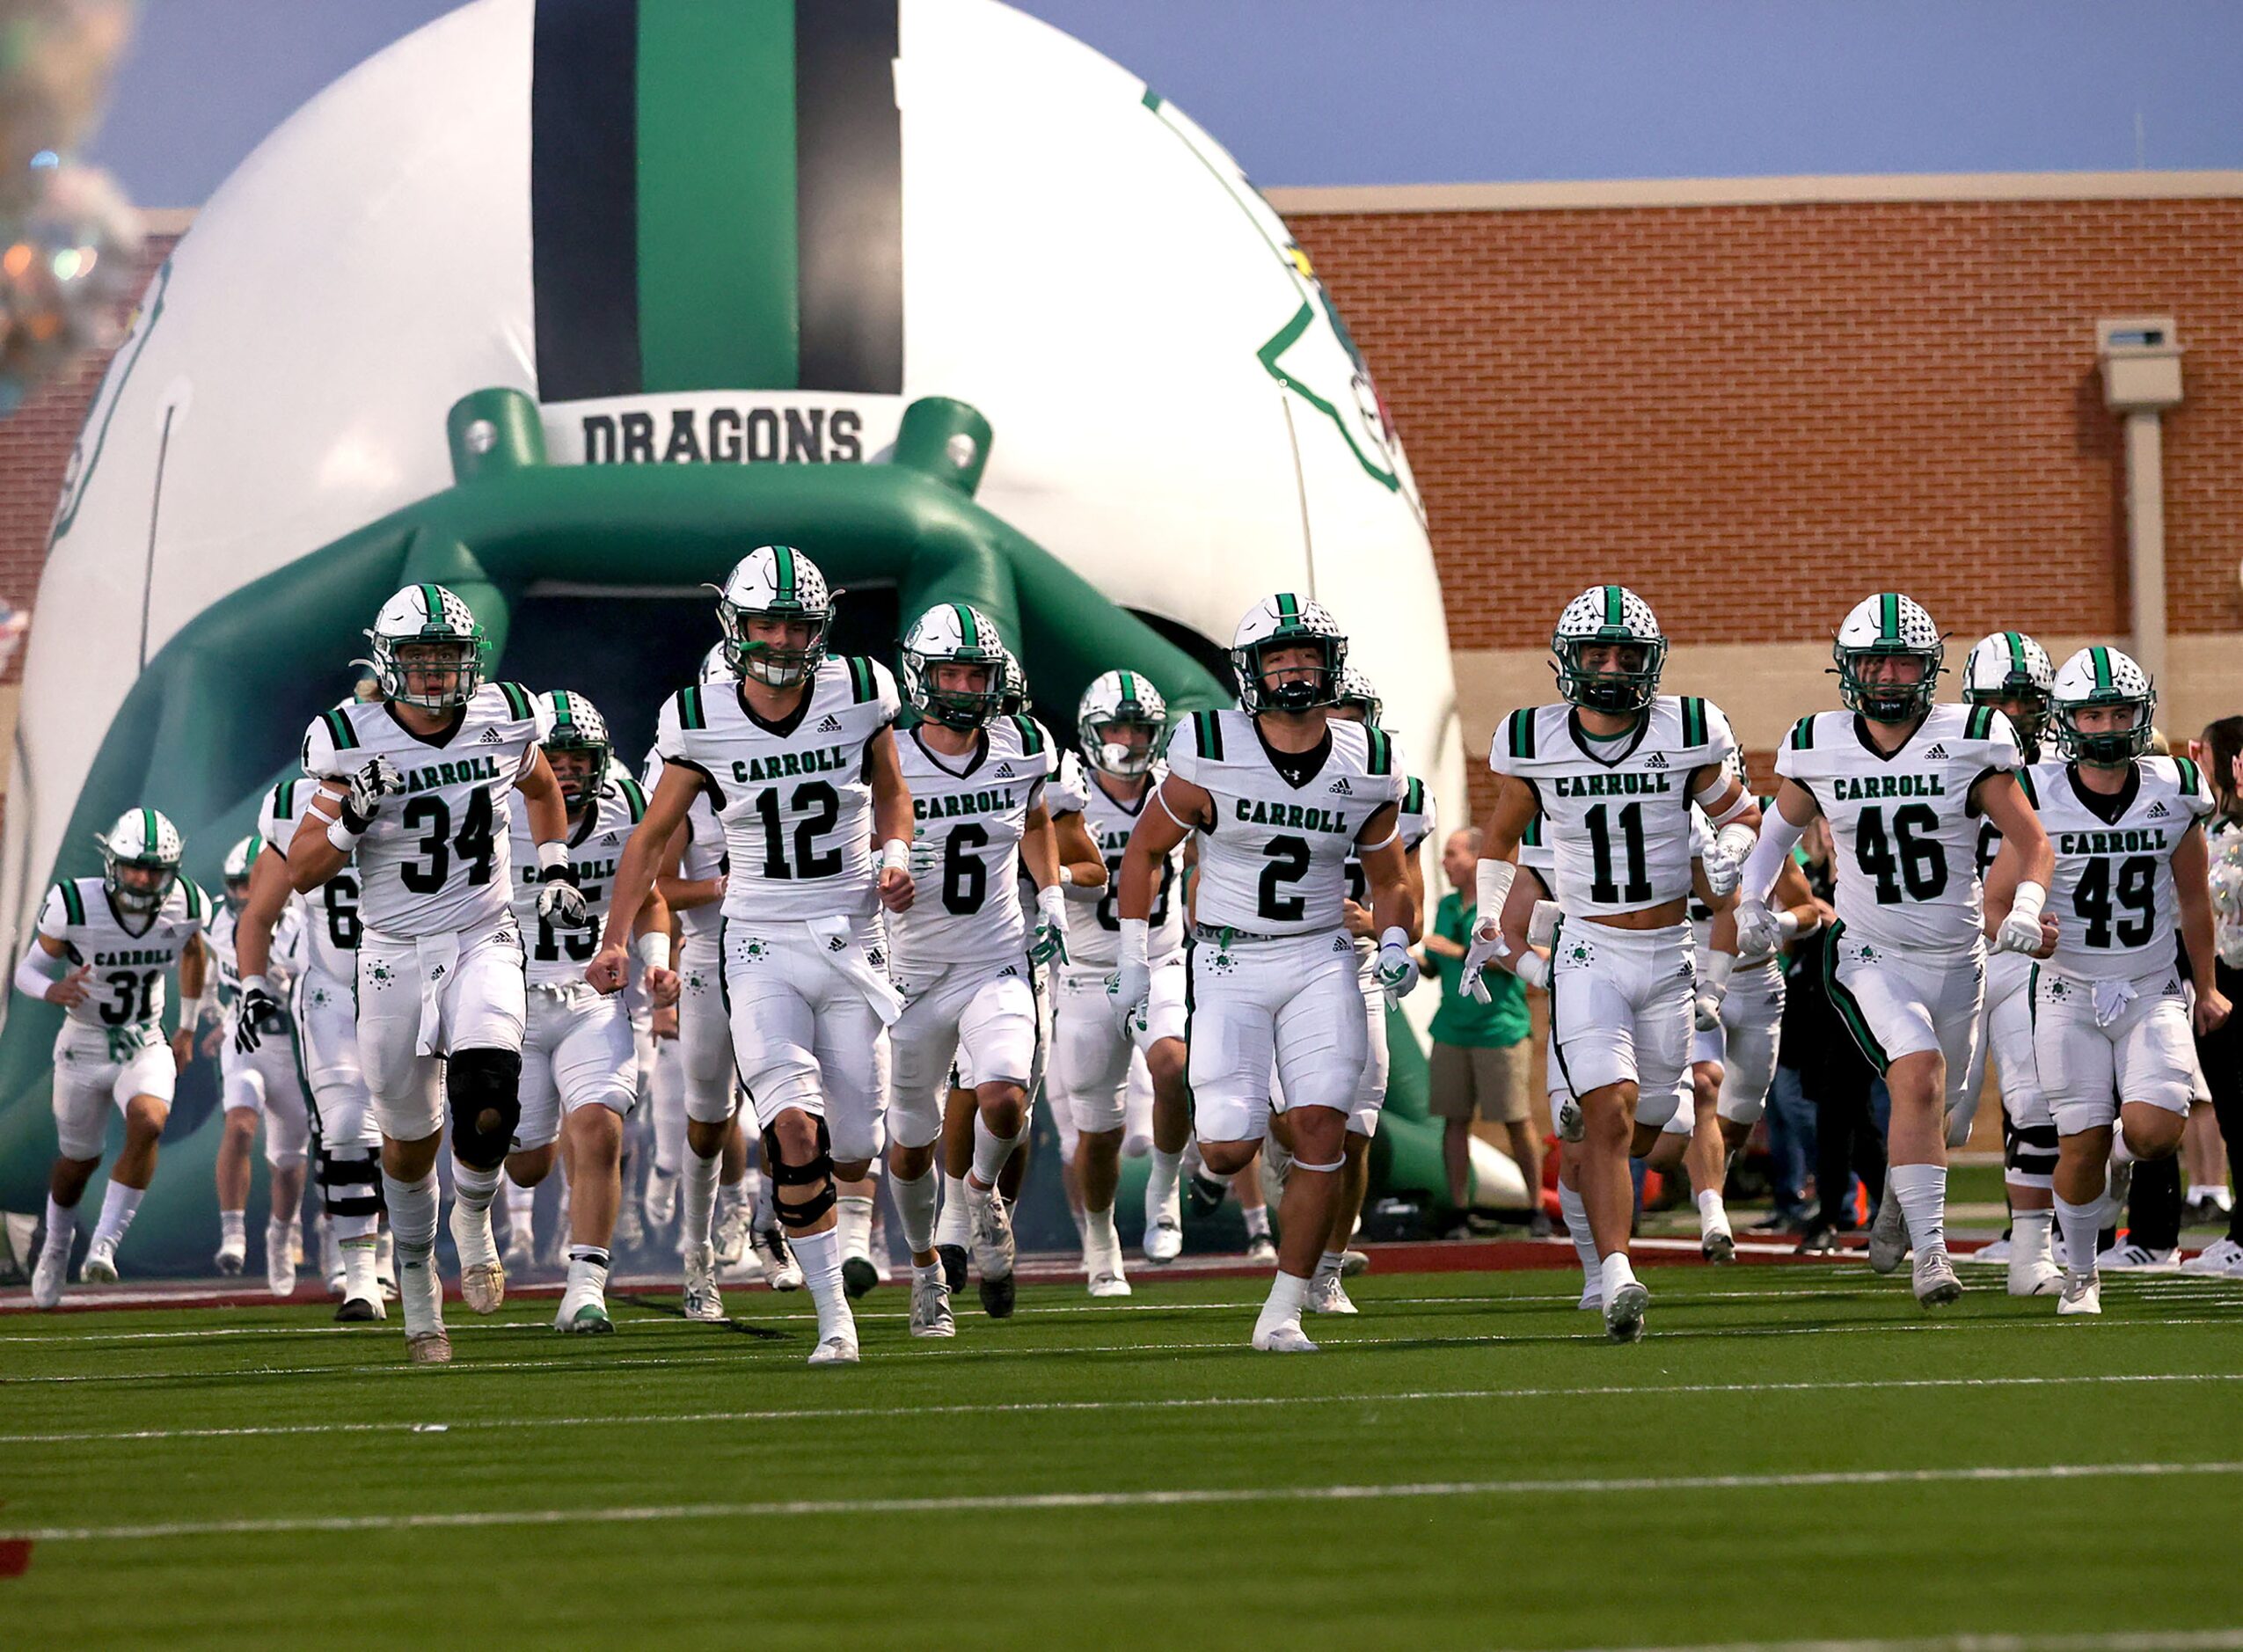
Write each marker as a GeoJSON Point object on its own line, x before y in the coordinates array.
{"type": "Point", "coordinates": [584, 197]}
{"type": "Point", "coordinates": [849, 196]}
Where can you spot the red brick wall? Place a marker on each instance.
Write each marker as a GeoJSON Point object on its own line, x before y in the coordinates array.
{"type": "Point", "coordinates": [1756, 415]}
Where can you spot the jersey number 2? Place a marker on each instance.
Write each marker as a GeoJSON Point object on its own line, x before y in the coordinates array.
{"type": "Point", "coordinates": [1288, 863]}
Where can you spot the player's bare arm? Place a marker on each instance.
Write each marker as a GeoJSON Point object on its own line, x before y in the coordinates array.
{"type": "Point", "coordinates": [1083, 867]}
{"type": "Point", "coordinates": [2024, 867]}
{"type": "Point", "coordinates": [891, 819]}
{"type": "Point", "coordinates": [634, 875]}
{"type": "Point", "coordinates": [268, 895]}
{"type": "Point", "coordinates": [194, 973]}
{"type": "Point", "coordinates": [2192, 869]}
{"type": "Point", "coordinates": [682, 893]}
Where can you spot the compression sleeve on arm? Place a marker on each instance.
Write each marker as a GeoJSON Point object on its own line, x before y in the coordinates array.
{"type": "Point", "coordinates": [38, 970]}
{"type": "Point", "coordinates": [1492, 889]}
{"type": "Point", "coordinates": [1769, 852]}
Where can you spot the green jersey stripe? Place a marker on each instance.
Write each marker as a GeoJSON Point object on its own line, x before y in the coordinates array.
{"type": "Point", "coordinates": [518, 702]}
{"type": "Point", "coordinates": [1207, 732]}
{"type": "Point", "coordinates": [1802, 734]}
{"type": "Point", "coordinates": [634, 797]}
{"type": "Point", "coordinates": [73, 903]}
{"type": "Point", "coordinates": [2024, 784]}
{"type": "Point", "coordinates": [1414, 797]}
{"type": "Point", "coordinates": [2192, 778]}
{"type": "Point", "coordinates": [1030, 735]}
{"type": "Point", "coordinates": [1979, 723]}
{"type": "Point", "coordinates": [339, 728]}
{"type": "Point", "coordinates": [861, 682]}
{"type": "Point", "coordinates": [1381, 757]}
{"type": "Point", "coordinates": [689, 708]}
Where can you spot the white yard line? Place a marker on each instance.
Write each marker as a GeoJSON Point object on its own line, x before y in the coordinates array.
{"type": "Point", "coordinates": [1157, 1499]}
{"type": "Point", "coordinates": [2126, 1640]}
{"type": "Point", "coordinates": [1020, 1407]}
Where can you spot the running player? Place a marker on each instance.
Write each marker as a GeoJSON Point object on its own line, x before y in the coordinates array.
{"type": "Point", "coordinates": [1904, 783]}
{"type": "Point", "coordinates": [102, 949]}
{"type": "Point", "coordinates": [1280, 791]}
{"type": "Point", "coordinates": [1613, 768]}
{"type": "Point", "coordinates": [2111, 1019]}
{"type": "Point", "coordinates": [417, 785]}
{"type": "Point", "coordinates": [799, 761]}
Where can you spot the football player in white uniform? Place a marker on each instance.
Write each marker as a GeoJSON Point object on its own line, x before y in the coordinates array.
{"type": "Point", "coordinates": [1359, 703]}
{"type": "Point", "coordinates": [261, 1085]}
{"type": "Point", "coordinates": [579, 1060]}
{"type": "Point", "coordinates": [347, 1147]}
{"type": "Point", "coordinates": [799, 760]}
{"type": "Point", "coordinates": [1280, 791]}
{"type": "Point", "coordinates": [101, 951]}
{"type": "Point", "coordinates": [963, 954]}
{"type": "Point", "coordinates": [2111, 1018]}
{"type": "Point", "coordinates": [1120, 726]}
{"type": "Point", "coordinates": [1613, 769]}
{"type": "Point", "coordinates": [417, 786]}
{"type": "Point", "coordinates": [2011, 672]}
{"type": "Point", "coordinates": [1904, 783]}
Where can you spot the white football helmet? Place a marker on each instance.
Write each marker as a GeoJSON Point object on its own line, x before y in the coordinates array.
{"type": "Point", "coordinates": [716, 665]}
{"type": "Point", "coordinates": [775, 581]}
{"type": "Point", "coordinates": [1885, 627]}
{"type": "Point", "coordinates": [1015, 700]}
{"type": "Point", "coordinates": [140, 860]}
{"type": "Point", "coordinates": [1287, 621]}
{"type": "Point", "coordinates": [1356, 690]}
{"type": "Point", "coordinates": [569, 722]}
{"type": "Point", "coordinates": [1601, 616]}
{"type": "Point", "coordinates": [235, 874]}
{"type": "Point", "coordinates": [447, 644]}
{"type": "Point", "coordinates": [1117, 703]}
{"type": "Point", "coordinates": [954, 634]}
{"type": "Point", "coordinates": [2011, 670]}
{"type": "Point", "coordinates": [2100, 677]}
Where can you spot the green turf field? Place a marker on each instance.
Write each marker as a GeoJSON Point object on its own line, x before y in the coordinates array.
{"type": "Point", "coordinates": [1794, 1452]}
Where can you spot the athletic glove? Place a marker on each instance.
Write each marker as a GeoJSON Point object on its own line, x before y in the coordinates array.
{"type": "Point", "coordinates": [1396, 971]}
{"type": "Point", "coordinates": [376, 779]}
{"type": "Point", "coordinates": [1048, 944]}
{"type": "Point", "coordinates": [1130, 986]}
{"type": "Point", "coordinates": [1486, 947]}
{"type": "Point", "coordinates": [559, 902]}
{"type": "Point", "coordinates": [2020, 930]}
{"type": "Point", "coordinates": [1759, 932]}
{"type": "Point", "coordinates": [257, 1007]}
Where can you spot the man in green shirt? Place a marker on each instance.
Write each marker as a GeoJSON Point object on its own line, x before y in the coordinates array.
{"type": "Point", "coordinates": [1480, 1057]}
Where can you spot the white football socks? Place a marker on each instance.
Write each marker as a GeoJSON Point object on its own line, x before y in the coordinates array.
{"type": "Point", "coordinates": [1576, 1215]}
{"type": "Point", "coordinates": [475, 1188]}
{"type": "Point", "coordinates": [956, 1224]}
{"type": "Point", "coordinates": [819, 1256]}
{"type": "Point", "coordinates": [119, 1205]}
{"type": "Point", "coordinates": [521, 1212]}
{"type": "Point", "coordinates": [990, 1151]}
{"type": "Point", "coordinates": [233, 1229]}
{"type": "Point", "coordinates": [854, 1221]}
{"type": "Point", "coordinates": [2081, 1225]}
{"type": "Point", "coordinates": [1257, 1221]}
{"type": "Point", "coordinates": [1922, 1190]}
{"type": "Point", "coordinates": [1712, 1216]}
{"type": "Point", "coordinates": [697, 1198]}
{"type": "Point", "coordinates": [1288, 1294]}
{"type": "Point", "coordinates": [1616, 1271]}
{"type": "Point", "coordinates": [1101, 1245]}
{"type": "Point", "coordinates": [1161, 1179]}
{"type": "Point", "coordinates": [1328, 1266]}
{"type": "Point", "coordinates": [413, 1225]}
{"type": "Point", "coordinates": [915, 1201]}
{"type": "Point", "coordinates": [62, 1226]}
{"type": "Point", "coordinates": [2028, 1238]}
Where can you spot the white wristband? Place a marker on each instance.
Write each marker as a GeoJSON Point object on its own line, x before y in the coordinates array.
{"type": "Point", "coordinates": [2031, 898]}
{"type": "Point", "coordinates": [1532, 968]}
{"type": "Point", "coordinates": [252, 984]}
{"type": "Point", "coordinates": [1788, 924]}
{"type": "Point", "coordinates": [342, 837]}
{"type": "Point", "coordinates": [1719, 967]}
{"type": "Point", "coordinates": [1136, 940]}
{"type": "Point", "coordinates": [1494, 888]}
{"type": "Point", "coordinates": [654, 950]}
{"type": "Point", "coordinates": [1066, 875]}
{"type": "Point", "coordinates": [895, 855]}
{"type": "Point", "coordinates": [1394, 935]}
{"type": "Point", "coordinates": [551, 855]}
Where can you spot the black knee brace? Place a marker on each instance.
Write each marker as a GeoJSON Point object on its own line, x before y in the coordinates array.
{"type": "Point", "coordinates": [483, 1090]}
{"type": "Point", "coordinates": [818, 1173]}
{"type": "Point", "coordinates": [350, 1183]}
{"type": "Point", "coordinates": [2031, 1149]}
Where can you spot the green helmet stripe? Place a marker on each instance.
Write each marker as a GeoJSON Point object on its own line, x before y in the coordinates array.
{"type": "Point", "coordinates": [1889, 617]}
{"type": "Point", "coordinates": [434, 604]}
{"type": "Point", "coordinates": [1613, 609]}
{"type": "Point", "coordinates": [786, 559]}
{"type": "Point", "coordinates": [148, 828]}
{"type": "Point", "coordinates": [970, 634]}
{"type": "Point", "coordinates": [562, 718]}
{"type": "Point", "coordinates": [1287, 607]}
{"type": "Point", "coordinates": [1128, 688]}
{"type": "Point", "coordinates": [2101, 658]}
{"type": "Point", "coordinates": [2016, 650]}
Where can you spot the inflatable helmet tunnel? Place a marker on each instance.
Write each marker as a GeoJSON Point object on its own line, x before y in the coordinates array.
{"type": "Point", "coordinates": [566, 303]}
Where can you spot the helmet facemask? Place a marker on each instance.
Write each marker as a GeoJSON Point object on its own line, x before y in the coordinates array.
{"type": "Point", "coordinates": [1124, 745]}
{"type": "Point", "coordinates": [2106, 747]}
{"type": "Point", "coordinates": [1306, 688]}
{"type": "Point", "coordinates": [952, 704]}
{"type": "Point", "coordinates": [1609, 684]}
{"type": "Point", "coordinates": [1885, 700]}
{"type": "Point", "coordinates": [779, 661]}
{"type": "Point", "coordinates": [138, 886]}
{"type": "Point", "coordinates": [435, 673]}
{"type": "Point", "coordinates": [580, 762]}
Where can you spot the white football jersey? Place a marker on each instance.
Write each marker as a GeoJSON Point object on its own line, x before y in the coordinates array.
{"type": "Point", "coordinates": [1416, 820]}
{"type": "Point", "coordinates": [327, 939]}
{"type": "Point", "coordinates": [795, 796]}
{"type": "Point", "coordinates": [557, 957]}
{"type": "Point", "coordinates": [433, 862]}
{"type": "Point", "coordinates": [1617, 813]}
{"type": "Point", "coordinates": [2113, 898]}
{"type": "Point", "coordinates": [1098, 940]}
{"type": "Point", "coordinates": [286, 955]}
{"type": "Point", "coordinates": [127, 987]}
{"type": "Point", "coordinates": [1276, 860]}
{"type": "Point", "coordinates": [702, 858]}
{"type": "Point", "coordinates": [1903, 829]}
{"type": "Point", "coordinates": [970, 811]}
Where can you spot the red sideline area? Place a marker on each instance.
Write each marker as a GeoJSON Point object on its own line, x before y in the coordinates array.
{"type": "Point", "coordinates": [1444, 1256]}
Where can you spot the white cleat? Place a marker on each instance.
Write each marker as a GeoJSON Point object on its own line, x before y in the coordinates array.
{"type": "Point", "coordinates": [1993, 1255]}
{"type": "Point", "coordinates": [2083, 1293]}
{"type": "Point", "coordinates": [993, 1249]}
{"type": "Point", "coordinates": [1934, 1280]}
{"type": "Point", "coordinates": [420, 1294]}
{"type": "Point", "coordinates": [661, 1198]}
{"type": "Point", "coordinates": [732, 1233]}
{"type": "Point", "coordinates": [1328, 1295]}
{"type": "Point", "coordinates": [1889, 1235]}
{"type": "Point", "coordinates": [521, 1257]}
{"type": "Point", "coordinates": [1109, 1281]}
{"type": "Point", "coordinates": [2042, 1278]}
{"type": "Point", "coordinates": [704, 1301]}
{"type": "Point", "coordinates": [428, 1347]}
{"type": "Point", "coordinates": [280, 1261]}
{"type": "Point", "coordinates": [100, 1265]}
{"type": "Point", "coordinates": [482, 1276]}
{"type": "Point", "coordinates": [1262, 1248]}
{"type": "Point", "coordinates": [931, 1314]}
{"type": "Point", "coordinates": [779, 1265]}
{"type": "Point", "coordinates": [2129, 1258]}
{"type": "Point", "coordinates": [359, 1289]}
{"type": "Point", "coordinates": [834, 1350]}
{"type": "Point", "coordinates": [1163, 1241]}
{"type": "Point", "coordinates": [1283, 1339]}
{"type": "Point", "coordinates": [2223, 1259]}
{"type": "Point", "coordinates": [583, 1312]}
{"type": "Point", "coordinates": [1718, 1246]}
{"type": "Point", "coordinates": [231, 1254]}
{"type": "Point", "coordinates": [748, 1270]}
{"type": "Point", "coordinates": [1624, 1314]}
{"type": "Point", "coordinates": [1592, 1299]}
{"type": "Point", "coordinates": [1353, 1262]}
{"type": "Point", "coordinates": [47, 1277]}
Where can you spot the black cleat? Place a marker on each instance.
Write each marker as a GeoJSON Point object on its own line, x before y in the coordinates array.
{"type": "Point", "coordinates": [858, 1276]}
{"type": "Point", "coordinates": [996, 1297]}
{"type": "Point", "coordinates": [358, 1310]}
{"type": "Point", "coordinates": [953, 1258]}
{"type": "Point", "coordinates": [1203, 1194]}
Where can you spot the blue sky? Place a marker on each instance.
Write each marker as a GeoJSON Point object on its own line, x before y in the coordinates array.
{"type": "Point", "coordinates": [1369, 92]}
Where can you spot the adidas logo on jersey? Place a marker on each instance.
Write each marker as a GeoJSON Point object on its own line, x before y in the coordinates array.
{"type": "Point", "coordinates": [1342, 787]}
{"type": "Point", "coordinates": [1004, 770]}
{"type": "Point", "coordinates": [828, 724]}
{"type": "Point", "coordinates": [608, 839]}
{"type": "Point", "coordinates": [492, 736]}
{"type": "Point", "coordinates": [1937, 752]}
{"type": "Point", "coordinates": [1656, 760]}
{"type": "Point", "coordinates": [2156, 810]}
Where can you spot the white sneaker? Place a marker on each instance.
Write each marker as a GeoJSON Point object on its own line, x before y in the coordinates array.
{"type": "Point", "coordinates": [704, 1301]}
{"type": "Point", "coordinates": [1624, 1314]}
{"type": "Point", "coordinates": [232, 1253]}
{"type": "Point", "coordinates": [1283, 1339]}
{"type": "Point", "coordinates": [2223, 1259]}
{"type": "Point", "coordinates": [47, 1277]}
{"type": "Point", "coordinates": [1107, 1280]}
{"type": "Point", "coordinates": [1163, 1241]}
{"type": "Point", "coordinates": [834, 1350]}
{"type": "Point", "coordinates": [993, 1249]}
{"type": "Point", "coordinates": [1934, 1280]}
{"type": "Point", "coordinates": [732, 1233]}
{"type": "Point", "coordinates": [2042, 1278]}
{"type": "Point", "coordinates": [1996, 1254]}
{"type": "Point", "coordinates": [420, 1294]}
{"type": "Point", "coordinates": [1262, 1248]}
{"type": "Point", "coordinates": [1592, 1298]}
{"type": "Point", "coordinates": [583, 1310]}
{"type": "Point", "coordinates": [2082, 1294]}
{"type": "Point", "coordinates": [1888, 1235]}
{"type": "Point", "coordinates": [1328, 1295]}
{"type": "Point", "coordinates": [931, 1314]}
{"type": "Point", "coordinates": [779, 1265]}
{"type": "Point", "coordinates": [747, 1271]}
{"type": "Point", "coordinates": [100, 1265]}
{"type": "Point", "coordinates": [279, 1259]}
{"type": "Point", "coordinates": [482, 1276]}
{"type": "Point", "coordinates": [361, 1289]}
{"type": "Point", "coordinates": [1718, 1246]}
{"type": "Point", "coordinates": [2126, 1257]}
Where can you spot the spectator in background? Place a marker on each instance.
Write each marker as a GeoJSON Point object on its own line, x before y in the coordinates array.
{"type": "Point", "coordinates": [1480, 1057]}
{"type": "Point", "coordinates": [1832, 1072]}
{"type": "Point", "coordinates": [2219, 753]}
